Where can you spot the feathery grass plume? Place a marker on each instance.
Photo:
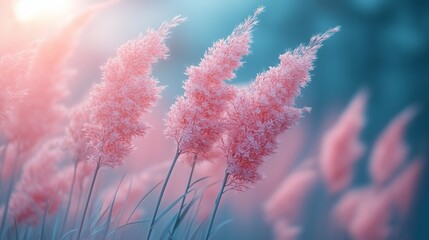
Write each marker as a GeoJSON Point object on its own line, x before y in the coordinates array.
{"type": "Point", "coordinates": [390, 151]}
{"type": "Point", "coordinates": [116, 105]}
{"type": "Point", "coordinates": [128, 90]}
{"type": "Point", "coordinates": [39, 187]}
{"type": "Point", "coordinates": [341, 146]}
{"type": "Point", "coordinates": [196, 120]}
{"type": "Point", "coordinates": [403, 188]}
{"type": "Point", "coordinates": [276, 167]}
{"type": "Point", "coordinates": [262, 112]}
{"type": "Point", "coordinates": [13, 68]}
{"type": "Point", "coordinates": [372, 217]}
{"type": "Point", "coordinates": [283, 230]}
{"type": "Point", "coordinates": [259, 114]}
{"type": "Point", "coordinates": [40, 112]}
{"type": "Point", "coordinates": [287, 200]}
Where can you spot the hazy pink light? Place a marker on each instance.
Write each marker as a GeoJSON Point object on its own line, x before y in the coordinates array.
{"type": "Point", "coordinates": [28, 10]}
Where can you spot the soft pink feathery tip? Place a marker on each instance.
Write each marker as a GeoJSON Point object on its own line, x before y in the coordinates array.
{"type": "Point", "coordinates": [316, 42]}
{"type": "Point", "coordinates": [249, 23]}
{"type": "Point", "coordinates": [168, 25]}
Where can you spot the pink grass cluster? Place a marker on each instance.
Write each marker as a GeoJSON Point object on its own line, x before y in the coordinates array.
{"type": "Point", "coordinates": [390, 151]}
{"type": "Point", "coordinates": [196, 121]}
{"type": "Point", "coordinates": [39, 190]}
{"type": "Point", "coordinates": [260, 113]}
{"type": "Point", "coordinates": [341, 146]}
{"type": "Point", "coordinates": [287, 200]}
{"type": "Point", "coordinates": [367, 213]}
{"type": "Point", "coordinates": [128, 90]}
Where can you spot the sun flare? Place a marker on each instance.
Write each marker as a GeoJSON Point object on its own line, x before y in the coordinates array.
{"type": "Point", "coordinates": [27, 10]}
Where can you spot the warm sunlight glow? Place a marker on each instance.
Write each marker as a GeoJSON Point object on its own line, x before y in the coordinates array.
{"type": "Point", "coordinates": [27, 10]}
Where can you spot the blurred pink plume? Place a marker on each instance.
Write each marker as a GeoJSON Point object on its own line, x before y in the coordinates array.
{"type": "Point", "coordinates": [40, 113]}
{"type": "Point", "coordinates": [341, 146]}
{"type": "Point", "coordinates": [390, 150]}
{"type": "Point", "coordinates": [13, 68]}
{"type": "Point", "coordinates": [287, 200]}
{"type": "Point", "coordinates": [39, 188]}
{"type": "Point", "coordinates": [403, 188]}
{"type": "Point", "coordinates": [348, 206]}
{"type": "Point", "coordinates": [371, 220]}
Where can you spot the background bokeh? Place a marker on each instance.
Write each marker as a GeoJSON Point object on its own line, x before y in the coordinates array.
{"type": "Point", "coordinates": [383, 46]}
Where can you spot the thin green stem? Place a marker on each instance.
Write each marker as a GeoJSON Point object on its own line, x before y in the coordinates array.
{"type": "Point", "coordinates": [9, 191]}
{"type": "Point", "coordinates": [70, 197]}
{"type": "Point", "coordinates": [161, 194]}
{"type": "Point", "coordinates": [218, 198]}
{"type": "Point", "coordinates": [182, 204]}
{"type": "Point", "coordinates": [89, 197]}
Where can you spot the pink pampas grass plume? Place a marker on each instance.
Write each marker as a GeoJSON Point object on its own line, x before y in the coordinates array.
{"type": "Point", "coordinates": [291, 145]}
{"type": "Point", "coordinates": [341, 146]}
{"type": "Point", "coordinates": [39, 188]}
{"type": "Point", "coordinates": [128, 90]}
{"type": "Point", "coordinates": [260, 113]}
{"type": "Point", "coordinates": [403, 188]}
{"type": "Point", "coordinates": [390, 150]}
{"type": "Point", "coordinates": [196, 121]}
{"type": "Point", "coordinates": [283, 230]}
{"type": "Point", "coordinates": [287, 200]}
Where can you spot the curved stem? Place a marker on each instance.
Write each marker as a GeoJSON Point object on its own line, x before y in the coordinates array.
{"type": "Point", "coordinates": [9, 193]}
{"type": "Point", "coordinates": [161, 194]}
{"type": "Point", "coordinates": [176, 222]}
{"type": "Point", "coordinates": [89, 198]}
{"type": "Point", "coordinates": [70, 197]}
{"type": "Point", "coordinates": [218, 198]}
